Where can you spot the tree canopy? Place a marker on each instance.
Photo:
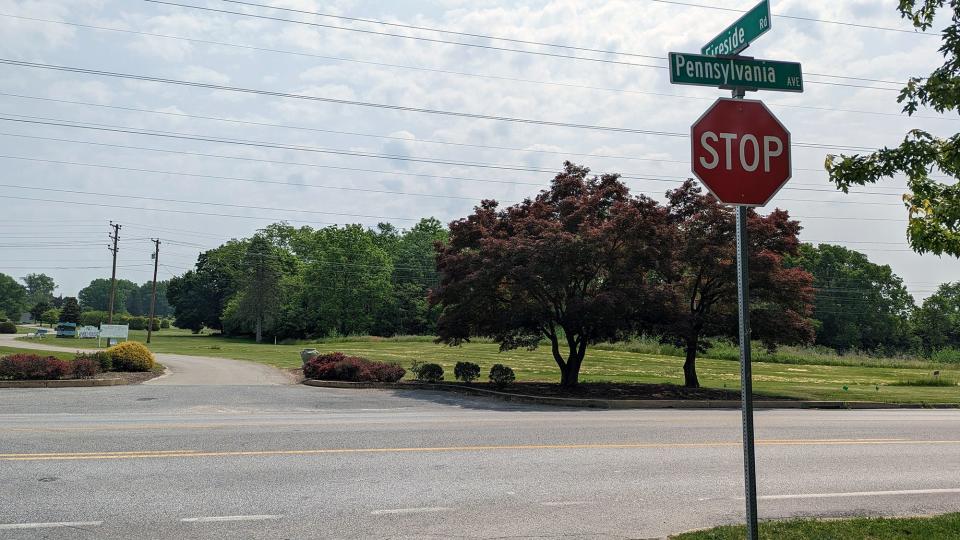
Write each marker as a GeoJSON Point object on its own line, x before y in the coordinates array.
{"type": "Point", "coordinates": [13, 297]}
{"type": "Point", "coordinates": [40, 288]}
{"type": "Point", "coordinates": [96, 295]}
{"type": "Point", "coordinates": [937, 321]}
{"type": "Point", "coordinates": [933, 206]}
{"type": "Point", "coordinates": [576, 265]}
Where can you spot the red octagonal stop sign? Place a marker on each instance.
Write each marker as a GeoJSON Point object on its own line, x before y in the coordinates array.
{"type": "Point", "coordinates": [741, 152]}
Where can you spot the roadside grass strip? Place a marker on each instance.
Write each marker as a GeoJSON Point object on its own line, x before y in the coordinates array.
{"type": "Point", "coordinates": [156, 454]}
{"type": "Point", "coordinates": [944, 527]}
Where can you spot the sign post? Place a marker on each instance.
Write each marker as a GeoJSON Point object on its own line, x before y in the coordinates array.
{"type": "Point", "coordinates": [741, 153]}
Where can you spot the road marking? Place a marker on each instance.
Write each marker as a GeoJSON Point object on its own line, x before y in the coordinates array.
{"type": "Point", "coordinates": [860, 494]}
{"type": "Point", "coordinates": [8, 526]}
{"type": "Point", "coordinates": [321, 451]}
{"type": "Point", "coordinates": [423, 510]}
{"type": "Point", "coordinates": [215, 519]}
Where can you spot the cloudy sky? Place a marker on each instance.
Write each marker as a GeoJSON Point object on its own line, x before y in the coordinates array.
{"type": "Point", "coordinates": [196, 166]}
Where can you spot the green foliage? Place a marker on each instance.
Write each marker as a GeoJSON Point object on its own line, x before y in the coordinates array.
{"type": "Point", "coordinates": [40, 288]}
{"type": "Point", "coordinates": [947, 355]}
{"type": "Point", "coordinates": [96, 295]}
{"type": "Point", "coordinates": [932, 380]}
{"type": "Point", "coordinates": [199, 296]}
{"type": "Point", "coordinates": [933, 207]}
{"type": "Point", "coordinates": [427, 372]}
{"type": "Point", "coordinates": [13, 297]}
{"type": "Point", "coordinates": [70, 311]}
{"type": "Point", "coordinates": [164, 324]}
{"type": "Point", "coordinates": [258, 299]}
{"type": "Point", "coordinates": [102, 358]}
{"type": "Point", "coordinates": [8, 327]}
{"type": "Point", "coordinates": [137, 323]}
{"type": "Point", "coordinates": [501, 375]}
{"type": "Point", "coordinates": [466, 371]}
{"type": "Point", "coordinates": [937, 321]}
{"type": "Point", "coordinates": [131, 356]}
{"type": "Point", "coordinates": [38, 309]}
{"type": "Point", "coordinates": [859, 305]}
{"type": "Point", "coordinates": [50, 316]}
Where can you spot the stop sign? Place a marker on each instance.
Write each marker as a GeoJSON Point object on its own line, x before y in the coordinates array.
{"type": "Point", "coordinates": [741, 152]}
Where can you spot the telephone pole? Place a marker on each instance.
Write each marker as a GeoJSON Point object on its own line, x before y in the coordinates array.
{"type": "Point", "coordinates": [115, 236]}
{"type": "Point", "coordinates": [153, 297]}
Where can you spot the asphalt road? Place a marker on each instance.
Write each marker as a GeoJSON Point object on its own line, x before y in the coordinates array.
{"type": "Point", "coordinates": [288, 461]}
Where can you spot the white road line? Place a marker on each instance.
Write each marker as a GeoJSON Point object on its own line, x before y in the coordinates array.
{"type": "Point", "coordinates": [860, 494]}
{"type": "Point", "coordinates": [423, 510]}
{"type": "Point", "coordinates": [213, 519]}
{"type": "Point", "coordinates": [8, 526]}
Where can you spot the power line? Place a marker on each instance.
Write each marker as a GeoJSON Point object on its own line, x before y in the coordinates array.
{"type": "Point", "coordinates": [462, 73]}
{"type": "Point", "coordinates": [459, 43]}
{"type": "Point", "coordinates": [799, 18]}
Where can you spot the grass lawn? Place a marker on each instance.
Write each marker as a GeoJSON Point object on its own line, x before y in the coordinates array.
{"type": "Point", "coordinates": [791, 380]}
{"type": "Point", "coordinates": [929, 528]}
{"type": "Point", "coordinates": [61, 355]}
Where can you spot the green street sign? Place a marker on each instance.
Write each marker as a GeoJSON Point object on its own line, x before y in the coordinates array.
{"type": "Point", "coordinates": [744, 73]}
{"type": "Point", "coordinates": [738, 35]}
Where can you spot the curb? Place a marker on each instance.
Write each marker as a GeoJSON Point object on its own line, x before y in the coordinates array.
{"type": "Point", "coordinates": [630, 403]}
{"type": "Point", "coordinates": [65, 383]}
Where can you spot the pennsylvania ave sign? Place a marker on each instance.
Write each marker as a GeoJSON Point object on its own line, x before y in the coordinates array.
{"type": "Point", "coordinates": [740, 152]}
{"type": "Point", "coordinates": [701, 70]}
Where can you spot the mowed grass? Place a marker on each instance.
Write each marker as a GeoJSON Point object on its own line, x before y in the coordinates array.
{"type": "Point", "coordinates": [65, 355]}
{"type": "Point", "coordinates": [928, 528]}
{"type": "Point", "coordinates": [817, 382]}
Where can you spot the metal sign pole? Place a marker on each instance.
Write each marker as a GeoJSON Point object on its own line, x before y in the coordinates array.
{"type": "Point", "coordinates": [746, 371]}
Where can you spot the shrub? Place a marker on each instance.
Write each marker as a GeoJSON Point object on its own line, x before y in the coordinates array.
{"type": "Point", "coordinates": [428, 372]}
{"type": "Point", "coordinates": [93, 318]}
{"type": "Point", "coordinates": [466, 371]}
{"type": "Point", "coordinates": [131, 356]}
{"type": "Point", "coordinates": [501, 375]}
{"type": "Point", "coordinates": [165, 323]}
{"type": "Point", "coordinates": [138, 323]}
{"type": "Point", "coordinates": [32, 367]}
{"type": "Point", "coordinates": [7, 327]}
{"type": "Point", "coordinates": [85, 367]}
{"type": "Point", "coordinates": [340, 367]}
{"type": "Point", "coordinates": [102, 358]}
{"type": "Point", "coordinates": [948, 355]}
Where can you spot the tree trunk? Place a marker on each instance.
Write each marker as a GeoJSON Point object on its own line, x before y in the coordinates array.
{"type": "Point", "coordinates": [259, 329]}
{"type": "Point", "coordinates": [690, 365]}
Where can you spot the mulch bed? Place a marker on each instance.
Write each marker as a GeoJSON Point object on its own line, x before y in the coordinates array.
{"type": "Point", "coordinates": [592, 390]}
{"type": "Point", "coordinates": [130, 377]}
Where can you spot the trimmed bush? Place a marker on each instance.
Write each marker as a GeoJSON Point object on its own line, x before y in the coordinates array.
{"type": "Point", "coordinates": [84, 367]}
{"type": "Point", "coordinates": [93, 318]}
{"type": "Point", "coordinates": [427, 372]}
{"type": "Point", "coordinates": [164, 324]}
{"type": "Point", "coordinates": [340, 367]}
{"type": "Point", "coordinates": [7, 327]}
{"type": "Point", "coordinates": [131, 356]}
{"type": "Point", "coordinates": [138, 323]}
{"type": "Point", "coordinates": [33, 367]}
{"type": "Point", "coordinates": [102, 358]}
{"type": "Point", "coordinates": [501, 375]}
{"type": "Point", "coordinates": [466, 371]}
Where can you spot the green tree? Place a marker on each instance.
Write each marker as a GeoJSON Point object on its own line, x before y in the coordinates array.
{"type": "Point", "coordinates": [259, 295]}
{"type": "Point", "coordinates": [50, 316]}
{"type": "Point", "coordinates": [933, 207]}
{"type": "Point", "coordinates": [858, 304]}
{"type": "Point", "coordinates": [70, 311]}
{"type": "Point", "coordinates": [37, 310]}
{"type": "Point", "coordinates": [96, 295]}
{"type": "Point", "coordinates": [200, 296]}
{"type": "Point", "coordinates": [13, 297]}
{"type": "Point", "coordinates": [40, 288]}
{"type": "Point", "coordinates": [937, 321]}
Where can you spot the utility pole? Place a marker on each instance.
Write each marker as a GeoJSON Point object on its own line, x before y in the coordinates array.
{"type": "Point", "coordinates": [115, 236]}
{"type": "Point", "coordinates": [153, 296]}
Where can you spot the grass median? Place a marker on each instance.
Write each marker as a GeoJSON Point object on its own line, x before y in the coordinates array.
{"type": "Point", "coordinates": [603, 364]}
{"type": "Point", "coordinates": [928, 528]}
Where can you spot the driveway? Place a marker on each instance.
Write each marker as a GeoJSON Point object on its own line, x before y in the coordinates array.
{"type": "Point", "coordinates": [181, 369]}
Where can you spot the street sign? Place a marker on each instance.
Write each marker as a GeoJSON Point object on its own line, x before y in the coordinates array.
{"type": "Point", "coordinates": [741, 152]}
{"type": "Point", "coordinates": [742, 33]}
{"type": "Point", "coordinates": [747, 73]}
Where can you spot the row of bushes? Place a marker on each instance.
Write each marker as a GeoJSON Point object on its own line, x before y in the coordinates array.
{"type": "Point", "coordinates": [136, 322]}
{"type": "Point", "coordinates": [500, 375]}
{"type": "Point", "coordinates": [127, 356]}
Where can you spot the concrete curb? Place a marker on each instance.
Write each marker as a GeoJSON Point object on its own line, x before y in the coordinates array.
{"type": "Point", "coordinates": [65, 383]}
{"type": "Point", "coordinates": [629, 403]}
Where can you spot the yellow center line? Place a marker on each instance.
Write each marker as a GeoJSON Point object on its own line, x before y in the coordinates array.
{"type": "Point", "coordinates": [479, 448]}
